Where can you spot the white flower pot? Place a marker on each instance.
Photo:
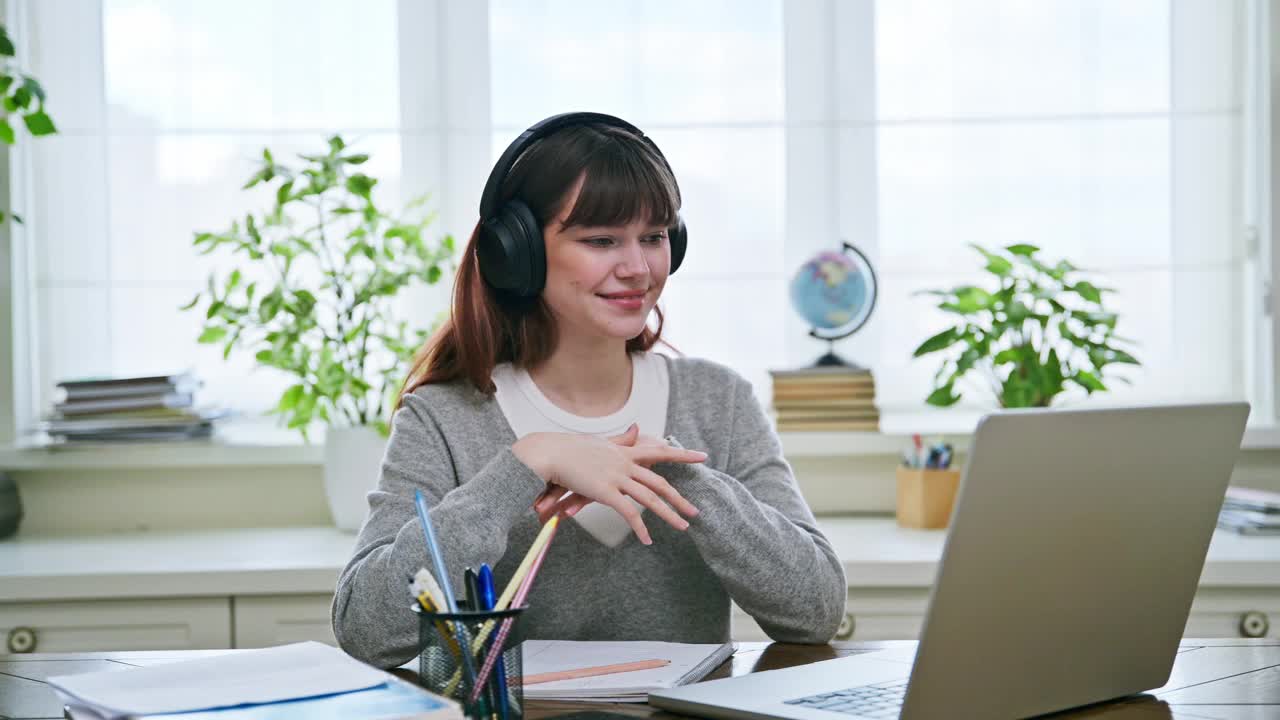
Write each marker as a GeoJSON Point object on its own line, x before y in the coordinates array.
{"type": "Point", "coordinates": [352, 462]}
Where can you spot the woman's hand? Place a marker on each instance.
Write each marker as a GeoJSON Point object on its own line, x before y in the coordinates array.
{"type": "Point", "coordinates": [553, 502]}
{"type": "Point", "coordinates": [609, 472]}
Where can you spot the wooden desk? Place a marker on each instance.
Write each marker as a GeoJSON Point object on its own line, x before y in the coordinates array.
{"type": "Point", "coordinates": [1207, 683]}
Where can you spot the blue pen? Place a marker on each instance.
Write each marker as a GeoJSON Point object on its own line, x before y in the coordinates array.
{"type": "Point", "coordinates": [442, 577]}
{"type": "Point", "coordinates": [489, 598]}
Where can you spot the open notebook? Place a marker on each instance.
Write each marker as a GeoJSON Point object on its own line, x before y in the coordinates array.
{"type": "Point", "coordinates": [689, 663]}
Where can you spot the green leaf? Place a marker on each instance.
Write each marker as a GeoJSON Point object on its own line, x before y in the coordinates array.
{"type": "Point", "coordinates": [942, 340]}
{"type": "Point", "coordinates": [361, 185]}
{"type": "Point", "coordinates": [355, 159]}
{"type": "Point", "coordinates": [1023, 250]}
{"type": "Point", "coordinates": [1088, 381]}
{"type": "Point", "coordinates": [943, 397]}
{"type": "Point", "coordinates": [212, 335]}
{"type": "Point", "coordinates": [6, 132]}
{"type": "Point", "coordinates": [996, 265]}
{"type": "Point", "coordinates": [282, 193]}
{"type": "Point", "coordinates": [21, 97]}
{"type": "Point", "coordinates": [336, 144]}
{"type": "Point", "coordinates": [289, 400]}
{"type": "Point", "coordinates": [6, 45]}
{"type": "Point", "coordinates": [1120, 356]}
{"type": "Point", "coordinates": [191, 304]}
{"type": "Point", "coordinates": [33, 86]}
{"type": "Point", "coordinates": [1087, 291]}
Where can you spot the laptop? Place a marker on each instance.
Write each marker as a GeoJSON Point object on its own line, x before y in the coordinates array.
{"type": "Point", "coordinates": [1074, 551]}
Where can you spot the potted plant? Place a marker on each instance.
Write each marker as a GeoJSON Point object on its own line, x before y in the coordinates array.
{"type": "Point", "coordinates": [1042, 329]}
{"type": "Point", "coordinates": [313, 299]}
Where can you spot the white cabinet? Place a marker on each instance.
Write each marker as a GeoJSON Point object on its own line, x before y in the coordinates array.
{"type": "Point", "coordinates": [1235, 612]}
{"type": "Point", "coordinates": [279, 619]}
{"type": "Point", "coordinates": [144, 624]}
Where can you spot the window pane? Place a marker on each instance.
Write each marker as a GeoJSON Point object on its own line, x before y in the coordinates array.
{"type": "Point", "coordinates": [651, 63]}
{"type": "Point", "coordinates": [1008, 57]}
{"type": "Point", "coordinates": [241, 64]}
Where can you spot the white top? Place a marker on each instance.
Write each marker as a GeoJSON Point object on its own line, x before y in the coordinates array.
{"type": "Point", "coordinates": [527, 411]}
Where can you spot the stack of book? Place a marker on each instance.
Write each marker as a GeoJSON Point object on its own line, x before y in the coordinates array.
{"type": "Point", "coordinates": [151, 408]}
{"type": "Point", "coordinates": [825, 398]}
{"type": "Point", "coordinates": [1250, 512]}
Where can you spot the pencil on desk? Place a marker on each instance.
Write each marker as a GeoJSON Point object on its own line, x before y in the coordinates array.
{"type": "Point", "coordinates": [593, 671]}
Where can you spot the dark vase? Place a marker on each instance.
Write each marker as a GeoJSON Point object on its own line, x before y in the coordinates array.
{"type": "Point", "coordinates": [10, 506]}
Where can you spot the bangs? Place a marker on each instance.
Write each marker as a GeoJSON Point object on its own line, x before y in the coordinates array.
{"type": "Point", "coordinates": [624, 184]}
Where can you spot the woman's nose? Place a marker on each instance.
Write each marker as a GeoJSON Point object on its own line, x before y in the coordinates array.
{"type": "Point", "coordinates": [634, 261]}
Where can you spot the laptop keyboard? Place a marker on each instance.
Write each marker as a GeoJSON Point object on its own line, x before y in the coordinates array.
{"type": "Point", "coordinates": [882, 700]}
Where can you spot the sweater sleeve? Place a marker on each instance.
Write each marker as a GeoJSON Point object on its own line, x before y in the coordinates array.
{"type": "Point", "coordinates": [757, 534]}
{"type": "Point", "coordinates": [371, 613]}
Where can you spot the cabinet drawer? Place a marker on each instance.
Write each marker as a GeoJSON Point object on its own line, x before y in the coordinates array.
{"type": "Point", "coordinates": [1235, 612]}
{"type": "Point", "coordinates": [100, 625]}
{"type": "Point", "coordinates": [268, 620]}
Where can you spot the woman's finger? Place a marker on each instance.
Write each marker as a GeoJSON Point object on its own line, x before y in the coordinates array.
{"type": "Point", "coordinates": [571, 506]}
{"type": "Point", "coordinates": [650, 499]}
{"type": "Point", "coordinates": [649, 454]}
{"type": "Point", "coordinates": [659, 484]}
{"type": "Point", "coordinates": [631, 514]}
{"type": "Point", "coordinates": [549, 497]}
{"type": "Point", "coordinates": [628, 436]}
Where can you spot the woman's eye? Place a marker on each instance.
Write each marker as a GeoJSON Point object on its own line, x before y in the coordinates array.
{"type": "Point", "coordinates": [656, 239]}
{"type": "Point", "coordinates": [599, 241]}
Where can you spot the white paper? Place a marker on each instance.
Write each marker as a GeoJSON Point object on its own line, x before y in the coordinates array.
{"type": "Point", "coordinates": [688, 663]}
{"type": "Point", "coordinates": [273, 674]}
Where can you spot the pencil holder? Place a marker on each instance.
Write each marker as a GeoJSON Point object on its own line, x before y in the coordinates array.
{"type": "Point", "coordinates": [925, 497]}
{"type": "Point", "coordinates": [444, 669]}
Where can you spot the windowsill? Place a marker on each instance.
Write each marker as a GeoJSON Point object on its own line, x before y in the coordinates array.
{"type": "Point", "coordinates": [250, 444]}
{"type": "Point", "coordinates": [236, 444]}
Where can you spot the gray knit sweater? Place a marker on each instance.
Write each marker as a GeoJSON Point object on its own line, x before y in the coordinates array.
{"type": "Point", "coordinates": [755, 541]}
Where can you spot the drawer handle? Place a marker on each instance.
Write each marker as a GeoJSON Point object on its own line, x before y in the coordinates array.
{"type": "Point", "coordinates": [847, 625]}
{"type": "Point", "coordinates": [22, 640]}
{"type": "Point", "coordinates": [1254, 624]}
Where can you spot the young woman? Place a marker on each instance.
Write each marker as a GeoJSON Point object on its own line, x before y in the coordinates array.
{"type": "Point", "coordinates": [541, 396]}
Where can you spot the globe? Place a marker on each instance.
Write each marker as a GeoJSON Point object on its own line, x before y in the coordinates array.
{"type": "Point", "coordinates": [834, 291]}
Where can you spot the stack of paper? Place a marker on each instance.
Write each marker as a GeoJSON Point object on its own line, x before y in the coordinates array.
{"type": "Point", "coordinates": [689, 663]}
{"type": "Point", "coordinates": [1250, 512]}
{"type": "Point", "coordinates": [308, 679]}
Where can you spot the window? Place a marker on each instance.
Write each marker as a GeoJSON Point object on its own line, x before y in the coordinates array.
{"type": "Point", "coordinates": [1113, 134]}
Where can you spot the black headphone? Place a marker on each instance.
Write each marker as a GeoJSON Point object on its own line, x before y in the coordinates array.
{"type": "Point", "coordinates": [510, 247]}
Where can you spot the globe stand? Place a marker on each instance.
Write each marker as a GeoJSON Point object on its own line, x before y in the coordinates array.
{"type": "Point", "coordinates": [830, 358]}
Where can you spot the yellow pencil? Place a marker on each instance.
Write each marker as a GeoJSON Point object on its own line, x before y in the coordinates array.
{"type": "Point", "coordinates": [477, 645]}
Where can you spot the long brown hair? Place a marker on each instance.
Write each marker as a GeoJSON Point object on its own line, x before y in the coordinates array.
{"type": "Point", "coordinates": [624, 180]}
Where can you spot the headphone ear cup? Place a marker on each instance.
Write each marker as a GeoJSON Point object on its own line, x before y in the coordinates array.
{"type": "Point", "coordinates": [534, 248]}
{"type": "Point", "coordinates": [678, 236]}
{"type": "Point", "coordinates": [510, 251]}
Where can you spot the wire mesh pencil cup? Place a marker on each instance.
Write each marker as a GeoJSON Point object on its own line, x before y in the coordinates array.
{"type": "Point", "coordinates": [444, 671]}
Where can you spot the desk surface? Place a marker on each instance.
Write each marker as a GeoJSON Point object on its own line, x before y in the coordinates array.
{"type": "Point", "coordinates": [1220, 679]}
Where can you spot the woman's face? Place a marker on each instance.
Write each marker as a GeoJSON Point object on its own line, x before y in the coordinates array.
{"type": "Point", "coordinates": [604, 281]}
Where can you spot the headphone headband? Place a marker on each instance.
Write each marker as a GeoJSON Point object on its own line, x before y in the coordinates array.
{"type": "Point", "coordinates": [509, 243]}
{"type": "Point", "coordinates": [489, 199]}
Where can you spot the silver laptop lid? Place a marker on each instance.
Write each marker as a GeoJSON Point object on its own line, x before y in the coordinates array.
{"type": "Point", "coordinates": [1076, 546]}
